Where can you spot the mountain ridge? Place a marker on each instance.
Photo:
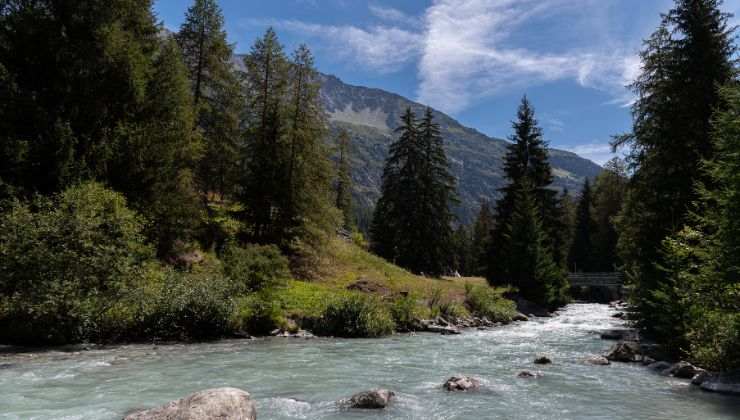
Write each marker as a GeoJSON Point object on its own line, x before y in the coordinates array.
{"type": "Point", "coordinates": [370, 115]}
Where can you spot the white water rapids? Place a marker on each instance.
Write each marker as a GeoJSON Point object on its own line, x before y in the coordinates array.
{"type": "Point", "coordinates": [303, 379]}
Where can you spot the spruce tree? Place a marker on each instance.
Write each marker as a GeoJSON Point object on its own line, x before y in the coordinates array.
{"type": "Point", "coordinates": [526, 161]}
{"type": "Point", "coordinates": [394, 211]}
{"type": "Point", "coordinates": [412, 219]}
{"type": "Point", "coordinates": [581, 257]}
{"type": "Point", "coordinates": [689, 55]}
{"type": "Point", "coordinates": [343, 184]}
{"type": "Point", "coordinates": [217, 92]}
{"type": "Point", "coordinates": [530, 266]}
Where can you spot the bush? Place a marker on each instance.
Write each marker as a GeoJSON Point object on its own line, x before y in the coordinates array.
{"type": "Point", "coordinates": [356, 316]}
{"type": "Point", "coordinates": [64, 261]}
{"type": "Point", "coordinates": [715, 340]}
{"type": "Point", "coordinates": [255, 267]}
{"type": "Point", "coordinates": [487, 302]}
{"type": "Point", "coordinates": [190, 306]}
{"type": "Point", "coordinates": [258, 314]}
{"type": "Point", "coordinates": [405, 312]}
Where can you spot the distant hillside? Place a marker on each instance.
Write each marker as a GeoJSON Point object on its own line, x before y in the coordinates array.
{"type": "Point", "coordinates": [370, 115]}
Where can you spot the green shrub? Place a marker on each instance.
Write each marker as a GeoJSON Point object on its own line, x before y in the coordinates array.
{"type": "Point", "coordinates": [405, 312]}
{"type": "Point", "coordinates": [484, 301]}
{"type": "Point", "coordinates": [255, 267]}
{"type": "Point", "coordinates": [715, 340]}
{"type": "Point", "coordinates": [356, 316]}
{"type": "Point", "coordinates": [64, 261]}
{"type": "Point", "coordinates": [258, 314]}
{"type": "Point", "coordinates": [189, 306]}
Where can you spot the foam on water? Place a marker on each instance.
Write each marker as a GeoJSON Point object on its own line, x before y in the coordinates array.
{"type": "Point", "coordinates": [303, 379]}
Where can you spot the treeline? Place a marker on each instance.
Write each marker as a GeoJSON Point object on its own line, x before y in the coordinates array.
{"type": "Point", "coordinates": [678, 229]}
{"type": "Point", "coordinates": [146, 184]}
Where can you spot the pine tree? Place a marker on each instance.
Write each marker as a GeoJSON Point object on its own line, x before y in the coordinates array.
{"type": "Point", "coordinates": [581, 257]}
{"type": "Point", "coordinates": [689, 55]}
{"type": "Point", "coordinates": [343, 185]}
{"type": "Point", "coordinates": [217, 92]}
{"type": "Point", "coordinates": [412, 220]}
{"type": "Point", "coordinates": [526, 161]}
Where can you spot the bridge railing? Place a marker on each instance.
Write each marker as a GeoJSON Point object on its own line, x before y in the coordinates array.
{"type": "Point", "coordinates": [596, 279]}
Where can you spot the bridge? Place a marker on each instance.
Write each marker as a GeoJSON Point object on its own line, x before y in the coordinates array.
{"type": "Point", "coordinates": [614, 279]}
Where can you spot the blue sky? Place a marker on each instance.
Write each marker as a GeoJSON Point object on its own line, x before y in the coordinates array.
{"type": "Point", "coordinates": [473, 59]}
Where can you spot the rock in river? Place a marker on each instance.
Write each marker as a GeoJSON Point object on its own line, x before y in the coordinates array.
{"type": "Point", "coordinates": [528, 374]}
{"type": "Point", "coordinates": [598, 361]}
{"type": "Point", "coordinates": [374, 399]}
{"type": "Point", "coordinates": [683, 370]}
{"type": "Point", "coordinates": [625, 351]}
{"type": "Point", "coordinates": [218, 403]}
{"type": "Point", "coordinates": [461, 383]}
{"type": "Point", "coordinates": [542, 360]}
{"type": "Point", "coordinates": [725, 383]}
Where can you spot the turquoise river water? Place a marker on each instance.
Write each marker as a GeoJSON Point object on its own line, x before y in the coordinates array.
{"type": "Point", "coordinates": [303, 379]}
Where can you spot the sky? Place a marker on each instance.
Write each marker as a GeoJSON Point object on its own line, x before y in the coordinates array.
{"type": "Point", "coordinates": [472, 59]}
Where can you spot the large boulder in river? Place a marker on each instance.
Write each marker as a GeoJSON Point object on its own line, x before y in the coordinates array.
{"type": "Point", "coordinates": [530, 308]}
{"type": "Point", "coordinates": [659, 366]}
{"type": "Point", "coordinates": [461, 383]}
{"type": "Point", "coordinates": [625, 351]}
{"type": "Point", "coordinates": [725, 383]}
{"type": "Point", "coordinates": [211, 404]}
{"type": "Point", "coordinates": [374, 399]}
{"type": "Point", "coordinates": [683, 370]}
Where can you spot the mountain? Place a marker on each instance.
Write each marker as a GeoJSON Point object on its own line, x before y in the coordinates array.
{"type": "Point", "coordinates": [371, 116]}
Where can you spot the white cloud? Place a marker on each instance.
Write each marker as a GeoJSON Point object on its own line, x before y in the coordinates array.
{"type": "Point", "coordinates": [382, 48]}
{"type": "Point", "coordinates": [392, 15]}
{"type": "Point", "coordinates": [465, 56]}
{"type": "Point", "coordinates": [463, 48]}
{"type": "Point", "coordinates": [595, 151]}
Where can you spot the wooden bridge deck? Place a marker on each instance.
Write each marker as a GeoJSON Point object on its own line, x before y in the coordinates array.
{"type": "Point", "coordinates": [596, 279]}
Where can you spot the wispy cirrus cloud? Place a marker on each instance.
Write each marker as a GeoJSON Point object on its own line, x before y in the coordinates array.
{"type": "Point", "coordinates": [464, 49]}
{"type": "Point", "coordinates": [466, 56]}
{"type": "Point", "coordinates": [381, 48]}
{"type": "Point", "coordinates": [599, 152]}
{"type": "Point", "coordinates": [394, 16]}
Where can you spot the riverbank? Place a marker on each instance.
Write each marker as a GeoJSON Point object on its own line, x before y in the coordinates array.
{"type": "Point", "coordinates": [292, 379]}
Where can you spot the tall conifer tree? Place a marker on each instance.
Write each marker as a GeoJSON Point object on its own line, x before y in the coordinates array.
{"type": "Point", "coordinates": [526, 162]}
{"type": "Point", "coordinates": [684, 61]}
{"type": "Point", "coordinates": [412, 220]}
{"type": "Point", "coordinates": [581, 257]}
{"type": "Point", "coordinates": [217, 92]}
{"type": "Point", "coordinates": [343, 185]}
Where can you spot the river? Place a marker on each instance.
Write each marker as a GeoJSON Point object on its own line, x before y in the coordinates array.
{"type": "Point", "coordinates": [302, 379]}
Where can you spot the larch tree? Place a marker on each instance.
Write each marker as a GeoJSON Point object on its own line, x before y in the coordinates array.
{"type": "Point", "coordinates": [217, 93]}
